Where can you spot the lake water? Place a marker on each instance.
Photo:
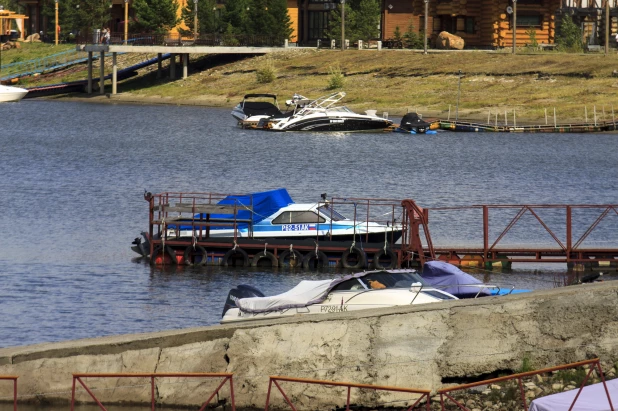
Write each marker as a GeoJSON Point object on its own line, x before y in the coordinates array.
{"type": "Point", "coordinates": [73, 175]}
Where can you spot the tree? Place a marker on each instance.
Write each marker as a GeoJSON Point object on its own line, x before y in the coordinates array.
{"type": "Point", "coordinates": [206, 17]}
{"type": "Point", "coordinates": [569, 35]}
{"type": "Point", "coordinates": [361, 20]}
{"type": "Point", "coordinates": [237, 18]}
{"type": "Point", "coordinates": [282, 26]}
{"type": "Point", "coordinates": [156, 16]}
{"type": "Point", "coordinates": [413, 38]}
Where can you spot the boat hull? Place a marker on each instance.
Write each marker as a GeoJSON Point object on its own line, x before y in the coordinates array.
{"type": "Point", "coordinates": [340, 124]}
{"type": "Point", "coordinates": [11, 94]}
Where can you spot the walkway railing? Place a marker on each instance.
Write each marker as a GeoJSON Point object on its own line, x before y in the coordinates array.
{"type": "Point", "coordinates": [226, 377]}
{"type": "Point", "coordinates": [174, 39]}
{"type": "Point", "coordinates": [276, 379]}
{"type": "Point", "coordinates": [14, 379]}
{"type": "Point", "coordinates": [595, 363]}
{"type": "Point", "coordinates": [54, 61]}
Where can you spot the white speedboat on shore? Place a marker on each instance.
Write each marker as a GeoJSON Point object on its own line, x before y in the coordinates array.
{"type": "Point", "coordinates": [362, 291]}
{"type": "Point", "coordinates": [322, 114]}
{"type": "Point", "coordinates": [11, 94]}
{"type": "Point", "coordinates": [257, 107]}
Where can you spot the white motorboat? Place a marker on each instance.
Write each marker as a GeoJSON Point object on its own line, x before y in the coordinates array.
{"type": "Point", "coordinates": [363, 291]}
{"type": "Point", "coordinates": [249, 113]}
{"type": "Point", "coordinates": [11, 94]}
{"type": "Point", "coordinates": [322, 114]}
{"type": "Point", "coordinates": [273, 214]}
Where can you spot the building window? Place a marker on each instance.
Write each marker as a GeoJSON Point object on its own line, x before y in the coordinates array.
{"type": "Point", "coordinates": [469, 25]}
{"type": "Point", "coordinates": [528, 20]}
{"type": "Point", "coordinates": [318, 23]}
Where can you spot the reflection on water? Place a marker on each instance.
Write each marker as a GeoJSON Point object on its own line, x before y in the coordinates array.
{"type": "Point", "coordinates": [74, 175]}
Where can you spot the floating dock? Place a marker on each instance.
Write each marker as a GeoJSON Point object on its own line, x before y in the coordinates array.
{"type": "Point", "coordinates": [595, 127]}
{"type": "Point", "coordinates": [169, 210]}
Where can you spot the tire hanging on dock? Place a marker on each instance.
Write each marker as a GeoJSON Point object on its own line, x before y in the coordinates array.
{"type": "Point", "coordinates": [236, 257]}
{"type": "Point", "coordinates": [159, 253]}
{"type": "Point", "coordinates": [290, 259]}
{"type": "Point", "coordinates": [354, 258]}
{"type": "Point", "coordinates": [190, 254]}
{"type": "Point", "coordinates": [385, 259]}
{"type": "Point", "coordinates": [264, 255]}
{"type": "Point", "coordinates": [314, 260]}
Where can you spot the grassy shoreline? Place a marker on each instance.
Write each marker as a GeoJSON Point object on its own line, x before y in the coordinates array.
{"type": "Point", "coordinates": [393, 81]}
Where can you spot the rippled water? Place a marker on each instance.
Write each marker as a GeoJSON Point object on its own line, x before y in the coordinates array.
{"type": "Point", "coordinates": [73, 174]}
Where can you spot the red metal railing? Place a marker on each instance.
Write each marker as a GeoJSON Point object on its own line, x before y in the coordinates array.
{"type": "Point", "coordinates": [14, 378]}
{"type": "Point", "coordinates": [569, 250]}
{"type": "Point", "coordinates": [275, 380]}
{"type": "Point", "coordinates": [594, 362]}
{"type": "Point", "coordinates": [226, 377]}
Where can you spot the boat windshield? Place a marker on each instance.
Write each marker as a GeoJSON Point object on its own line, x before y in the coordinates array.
{"type": "Point", "coordinates": [328, 211]}
{"type": "Point", "coordinates": [385, 279]}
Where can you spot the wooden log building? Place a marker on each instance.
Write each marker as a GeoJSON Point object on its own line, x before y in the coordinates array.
{"type": "Point", "coordinates": [482, 24]}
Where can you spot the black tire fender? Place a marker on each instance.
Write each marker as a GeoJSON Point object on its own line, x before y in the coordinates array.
{"type": "Point", "coordinates": [315, 259]}
{"type": "Point", "coordinates": [159, 250]}
{"type": "Point", "coordinates": [274, 262]}
{"type": "Point", "coordinates": [232, 256]}
{"type": "Point", "coordinates": [191, 252]}
{"type": "Point", "coordinates": [291, 259]}
{"type": "Point", "coordinates": [388, 253]}
{"type": "Point", "coordinates": [357, 254]}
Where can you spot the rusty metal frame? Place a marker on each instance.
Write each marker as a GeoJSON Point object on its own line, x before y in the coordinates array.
{"type": "Point", "coordinates": [275, 380]}
{"type": "Point", "coordinates": [226, 377]}
{"type": "Point", "coordinates": [572, 251]}
{"type": "Point", "coordinates": [594, 362]}
{"type": "Point", "coordinates": [14, 379]}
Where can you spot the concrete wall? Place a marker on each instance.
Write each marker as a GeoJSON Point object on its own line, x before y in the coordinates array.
{"type": "Point", "coordinates": [405, 346]}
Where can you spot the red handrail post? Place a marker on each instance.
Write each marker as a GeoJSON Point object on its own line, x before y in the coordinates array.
{"type": "Point", "coordinates": [73, 395]}
{"type": "Point", "coordinates": [347, 407]}
{"type": "Point", "coordinates": [152, 393]}
{"type": "Point", "coordinates": [270, 384]}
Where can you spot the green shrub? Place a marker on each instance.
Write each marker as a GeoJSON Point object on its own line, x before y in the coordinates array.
{"type": "Point", "coordinates": [266, 73]}
{"type": "Point", "coordinates": [413, 39]}
{"type": "Point", "coordinates": [336, 79]}
{"type": "Point", "coordinates": [531, 32]}
{"type": "Point", "coordinates": [569, 36]}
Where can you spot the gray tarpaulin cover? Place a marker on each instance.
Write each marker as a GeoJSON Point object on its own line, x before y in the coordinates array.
{"type": "Point", "coordinates": [592, 398]}
{"type": "Point", "coordinates": [441, 274]}
{"type": "Point", "coordinates": [299, 296]}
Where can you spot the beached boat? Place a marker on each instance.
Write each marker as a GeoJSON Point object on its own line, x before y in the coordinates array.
{"type": "Point", "coordinates": [412, 123]}
{"type": "Point", "coordinates": [11, 94]}
{"type": "Point", "coordinates": [322, 114]}
{"type": "Point", "coordinates": [256, 107]}
{"type": "Point", "coordinates": [362, 291]}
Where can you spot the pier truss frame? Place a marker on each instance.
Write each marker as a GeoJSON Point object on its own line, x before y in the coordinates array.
{"type": "Point", "coordinates": [276, 379]}
{"type": "Point", "coordinates": [79, 378]}
{"type": "Point", "coordinates": [571, 250]}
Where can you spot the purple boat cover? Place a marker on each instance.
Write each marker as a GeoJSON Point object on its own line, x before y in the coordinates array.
{"type": "Point", "coordinates": [451, 279]}
{"type": "Point", "coordinates": [592, 398]}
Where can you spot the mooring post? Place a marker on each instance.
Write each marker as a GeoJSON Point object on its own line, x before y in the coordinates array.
{"type": "Point", "coordinates": [159, 64]}
{"type": "Point", "coordinates": [555, 117]}
{"type": "Point", "coordinates": [89, 90]}
{"type": "Point", "coordinates": [102, 74]}
{"type": "Point", "coordinates": [586, 113]}
{"type": "Point", "coordinates": [545, 115]}
{"type": "Point", "coordinates": [114, 74]}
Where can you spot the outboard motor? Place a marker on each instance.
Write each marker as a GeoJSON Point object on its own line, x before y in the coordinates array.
{"type": "Point", "coordinates": [413, 123]}
{"type": "Point", "coordinates": [241, 291]}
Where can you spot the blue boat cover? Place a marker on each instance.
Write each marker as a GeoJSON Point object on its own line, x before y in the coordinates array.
{"type": "Point", "coordinates": [264, 204]}
{"type": "Point", "coordinates": [440, 273]}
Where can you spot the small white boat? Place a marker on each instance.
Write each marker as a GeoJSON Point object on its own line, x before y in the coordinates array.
{"type": "Point", "coordinates": [258, 107]}
{"type": "Point", "coordinates": [363, 291]}
{"type": "Point", "coordinates": [323, 115]}
{"type": "Point", "coordinates": [10, 93]}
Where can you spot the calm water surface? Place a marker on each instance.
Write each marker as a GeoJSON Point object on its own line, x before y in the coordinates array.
{"type": "Point", "coordinates": [72, 178]}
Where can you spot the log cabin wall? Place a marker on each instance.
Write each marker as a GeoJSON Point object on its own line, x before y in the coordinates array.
{"type": "Point", "coordinates": [480, 24]}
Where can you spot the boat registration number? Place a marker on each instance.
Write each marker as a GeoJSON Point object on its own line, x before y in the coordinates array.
{"type": "Point", "coordinates": [334, 308]}
{"type": "Point", "coordinates": [297, 227]}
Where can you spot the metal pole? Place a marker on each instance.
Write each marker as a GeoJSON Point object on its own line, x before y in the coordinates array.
{"type": "Point", "coordinates": [606, 27]}
{"type": "Point", "coordinates": [514, 25]}
{"type": "Point", "coordinates": [342, 25]}
{"type": "Point", "coordinates": [458, 96]}
{"type": "Point", "coordinates": [195, 28]}
{"type": "Point", "coordinates": [56, 28]}
{"type": "Point", "coordinates": [126, 22]}
{"type": "Point", "coordinates": [425, 34]}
